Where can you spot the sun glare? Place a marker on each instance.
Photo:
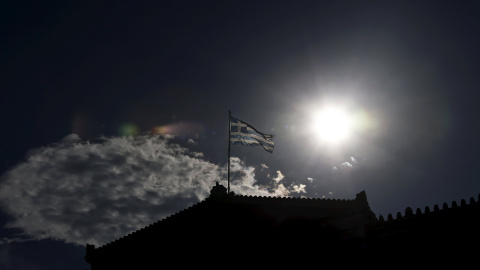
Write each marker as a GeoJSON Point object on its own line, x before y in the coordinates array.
{"type": "Point", "coordinates": [333, 125]}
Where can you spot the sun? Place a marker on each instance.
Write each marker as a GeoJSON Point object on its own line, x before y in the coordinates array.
{"type": "Point", "coordinates": [333, 125]}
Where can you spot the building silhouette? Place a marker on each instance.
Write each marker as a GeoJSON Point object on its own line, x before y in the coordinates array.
{"type": "Point", "coordinates": [229, 230]}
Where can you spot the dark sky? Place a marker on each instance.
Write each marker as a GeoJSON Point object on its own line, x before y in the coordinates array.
{"type": "Point", "coordinates": [115, 113]}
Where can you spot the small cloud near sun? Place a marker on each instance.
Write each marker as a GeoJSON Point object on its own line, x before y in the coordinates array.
{"type": "Point", "coordinates": [346, 163]}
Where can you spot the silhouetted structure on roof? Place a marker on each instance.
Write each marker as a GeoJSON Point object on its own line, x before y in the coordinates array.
{"type": "Point", "coordinates": [234, 229]}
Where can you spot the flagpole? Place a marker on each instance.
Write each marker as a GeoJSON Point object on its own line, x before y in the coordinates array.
{"type": "Point", "coordinates": [228, 163]}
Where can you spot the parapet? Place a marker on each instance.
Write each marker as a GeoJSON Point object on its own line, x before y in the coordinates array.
{"type": "Point", "coordinates": [445, 209]}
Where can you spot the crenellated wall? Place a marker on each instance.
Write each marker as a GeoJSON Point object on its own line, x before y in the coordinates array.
{"type": "Point", "coordinates": [453, 207]}
{"type": "Point", "coordinates": [450, 232]}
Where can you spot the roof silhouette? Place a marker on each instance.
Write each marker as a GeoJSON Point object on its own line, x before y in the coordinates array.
{"type": "Point", "coordinates": [225, 225]}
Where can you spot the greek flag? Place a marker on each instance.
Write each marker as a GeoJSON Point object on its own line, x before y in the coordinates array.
{"type": "Point", "coordinates": [244, 134]}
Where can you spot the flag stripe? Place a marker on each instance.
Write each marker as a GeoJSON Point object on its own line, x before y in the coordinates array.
{"type": "Point", "coordinates": [249, 140]}
{"type": "Point", "coordinates": [267, 148]}
{"type": "Point", "coordinates": [255, 136]}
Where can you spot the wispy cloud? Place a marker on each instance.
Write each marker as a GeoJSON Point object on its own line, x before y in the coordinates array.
{"type": "Point", "coordinates": [5, 240]}
{"type": "Point", "coordinates": [352, 161]}
{"type": "Point", "coordinates": [346, 163]}
{"type": "Point", "coordinates": [94, 192]}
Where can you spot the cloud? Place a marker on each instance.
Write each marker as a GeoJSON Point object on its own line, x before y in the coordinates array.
{"type": "Point", "coordinates": [95, 192]}
{"type": "Point", "coordinates": [299, 188]}
{"type": "Point", "coordinates": [281, 191]}
{"type": "Point", "coordinates": [346, 163]}
{"type": "Point", "coordinates": [245, 182]}
{"type": "Point", "coordinates": [310, 179]}
{"type": "Point", "coordinates": [349, 164]}
{"type": "Point", "coordinates": [5, 240]}
{"type": "Point", "coordinates": [264, 166]}
{"type": "Point", "coordinates": [279, 177]}
{"type": "Point", "coordinates": [329, 193]}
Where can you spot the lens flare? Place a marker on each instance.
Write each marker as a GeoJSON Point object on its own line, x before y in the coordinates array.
{"type": "Point", "coordinates": [180, 129]}
{"type": "Point", "coordinates": [129, 129]}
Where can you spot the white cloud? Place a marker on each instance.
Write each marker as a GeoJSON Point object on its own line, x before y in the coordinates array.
{"type": "Point", "coordinates": [244, 178]}
{"type": "Point", "coordinates": [310, 179]}
{"type": "Point", "coordinates": [279, 177]}
{"type": "Point", "coordinates": [95, 192]}
{"type": "Point", "coordinates": [346, 163]}
{"type": "Point", "coordinates": [281, 191]}
{"type": "Point", "coordinates": [299, 188]}
{"type": "Point", "coordinates": [264, 166]}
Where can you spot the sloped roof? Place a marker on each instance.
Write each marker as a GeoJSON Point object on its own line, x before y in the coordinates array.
{"type": "Point", "coordinates": [276, 208]}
